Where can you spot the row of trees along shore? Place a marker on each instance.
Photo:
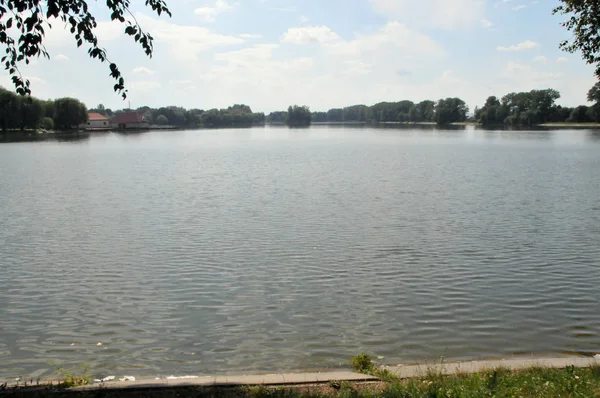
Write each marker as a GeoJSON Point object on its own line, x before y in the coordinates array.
{"type": "Point", "coordinates": [444, 111]}
{"type": "Point", "coordinates": [536, 107]}
{"type": "Point", "coordinates": [19, 112]}
{"type": "Point", "coordinates": [514, 109]}
{"type": "Point", "coordinates": [523, 108]}
{"type": "Point", "coordinates": [23, 112]}
{"type": "Point", "coordinates": [238, 115]}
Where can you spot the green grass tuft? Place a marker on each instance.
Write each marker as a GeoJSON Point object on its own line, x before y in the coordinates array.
{"type": "Point", "coordinates": [71, 379]}
{"type": "Point", "coordinates": [363, 363]}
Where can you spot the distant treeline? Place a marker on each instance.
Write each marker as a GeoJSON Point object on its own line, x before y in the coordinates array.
{"type": "Point", "coordinates": [29, 113]}
{"type": "Point", "coordinates": [524, 108]}
{"type": "Point", "coordinates": [238, 115]}
{"type": "Point", "coordinates": [444, 111]}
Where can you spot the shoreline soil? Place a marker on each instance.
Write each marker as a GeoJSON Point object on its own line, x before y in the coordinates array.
{"type": "Point", "coordinates": [519, 374]}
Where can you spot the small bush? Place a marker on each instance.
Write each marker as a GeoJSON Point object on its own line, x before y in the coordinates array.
{"type": "Point", "coordinates": [70, 378]}
{"type": "Point", "coordinates": [47, 123]}
{"type": "Point", "coordinates": [362, 363]}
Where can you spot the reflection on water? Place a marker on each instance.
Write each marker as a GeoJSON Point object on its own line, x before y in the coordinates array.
{"type": "Point", "coordinates": [594, 135]}
{"type": "Point", "coordinates": [188, 252]}
{"type": "Point", "coordinates": [34, 137]}
{"type": "Point", "coordinates": [519, 134]}
{"type": "Point", "coordinates": [513, 128]}
{"type": "Point", "coordinates": [417, 127]}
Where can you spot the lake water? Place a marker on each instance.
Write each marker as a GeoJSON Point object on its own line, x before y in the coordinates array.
{"type": "Point", "coordinates": [271, 249]}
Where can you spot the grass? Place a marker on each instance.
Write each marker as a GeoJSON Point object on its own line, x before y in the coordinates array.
{"type": "Point", "coordinates": [70, 378]}
{"type": "Point", "coordinates": [498, 383]}
{"type": "Point", "coordinates": [363, 363]}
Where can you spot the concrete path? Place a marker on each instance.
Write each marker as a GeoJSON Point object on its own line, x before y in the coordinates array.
{"type": "Point", "coordinates": [226, 381]}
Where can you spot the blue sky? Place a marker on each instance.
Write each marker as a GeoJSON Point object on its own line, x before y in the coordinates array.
{"type": "Point", "coordinates": [273, 53]}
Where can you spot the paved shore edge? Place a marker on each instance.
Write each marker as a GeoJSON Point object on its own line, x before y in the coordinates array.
{"type": "Point", "coordinates": [290, 379]}
{"type": "Point", "coordinates": [402, 371]}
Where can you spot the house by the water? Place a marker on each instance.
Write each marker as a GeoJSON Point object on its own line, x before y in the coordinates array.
{"type": "Point", "coordinates": [129, 120]}
{"type": "Point", "coordinates": [96, 121]}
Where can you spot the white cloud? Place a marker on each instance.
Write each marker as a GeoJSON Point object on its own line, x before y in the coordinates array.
{"type": "Point", "coordinates": [523, 46]}
{"type": "Point", "coordinates": [445, 14]}
{"type": "Point", "coordinates": [527, 73]}
{"type": "Point", "coordinates": [59, 35]}
{"type": "Point", "coordinates": [209, 14]}
{"type": "Point", "coordinates": [257, 60]}
{"type": "Point", "coordinates": [561, 60]}
{"type": "Point", "coordinates": [284, 9]}
{"type": "Point", "coordinates": [61, 57]}
{"type": "Point", "coordinates": [184, 42]}
{"type": "Point", "coordinates": [540, 59]}
{"type": "Point", "coordinates": [303, 19]}
{"type": "Point", "coordinates": [250, 36]}
{"type": "Point", "coordinates": [393, 35]}
{"type": "Point", "coordinates": [143, 70]}
{"type": "Point", "coordinates": [366, 69]}
{"type": "Point", "coordinates": [254, 75]}
{"type": "Point", "coordinates": [486, 23]}
{"type": "Point", "coordinates": [248, 56]}
{"type": "Point", "coordinates": [144, 86]}
{"type": "Point", "coordinates": [520, 7]}
{"type": "Point", "coordinates": [36, 79]}
{"type": "Point", "coordinates": [310, 35]}
{"type": "Point", "coordinates": [354, 67]}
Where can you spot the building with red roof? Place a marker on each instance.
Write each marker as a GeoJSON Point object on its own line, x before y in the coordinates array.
{"type": "Point", "coordinates": [96, 121]}
{"type": "Point", "coordinates": [129, 120]}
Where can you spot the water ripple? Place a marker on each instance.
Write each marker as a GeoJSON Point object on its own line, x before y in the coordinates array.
{"type": "Point", "coordinates": [210, 253]}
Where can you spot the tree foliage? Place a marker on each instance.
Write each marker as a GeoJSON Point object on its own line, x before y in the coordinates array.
{"type": "Point", "coordinates": [580, 115]}
{"type": "Point", "coordinates": [32, 113]}
{"type": "Point", "coordinates": [69, 113]}
{"type": "Point", "coordinates": [161, 120]}
{"type": "Point", "coordinates": [9, 110]}
{"type": "Point", "coordinates": [47, 123]}
{"type": "Point", "coordinates": [382, 112]}
{"type": "Point", "coordinates": [32, 18]}
{"type": "Point", "coordinates": [278, 117]}
{"type": "Point", "coordinates": [234, 116]}
{"type": "Point", "coordinates": [298, 116]}
{"type": "Point", "coordinates": [584, 22]}
{"type": "Point", "coordinates": [593, 95]}
{"type": "Point", "coordinates": [20, 112]}
{"type": "Point", "coordinates": [101, 109]}
{"type": "Point", "coordinates": [450, 110]}
{"type": "Point", "coordinates": [524, 108]}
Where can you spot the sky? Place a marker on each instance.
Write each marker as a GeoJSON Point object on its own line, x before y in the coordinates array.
{"type": "Point", "coordinates": [322, 53]}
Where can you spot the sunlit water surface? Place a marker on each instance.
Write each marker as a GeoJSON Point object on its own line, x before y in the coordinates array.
{"type": "Point", "coordinates": [272, 249]}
